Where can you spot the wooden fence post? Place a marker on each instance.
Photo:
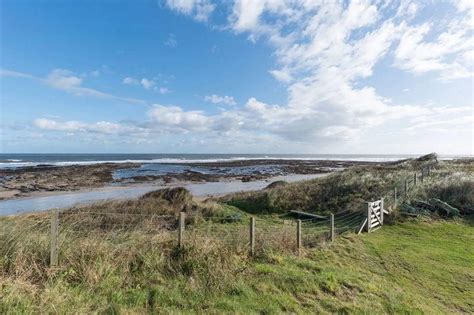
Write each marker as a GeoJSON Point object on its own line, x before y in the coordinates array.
{"type": "Point", "coordinates": [298, 236]}
{"type": "Point", "coordinates": [54, 238]}
{"type": "Point", "coordinates": [406, 187]}
{"type": "Point", "coordinates": [181, 226]}
{"type": "Point", "coordinates": [369, 217]}
{"type": "Point", "coordinates": [414, 179]}
{"type": "Point", "coordinates": [331, 227]}
{"type": "Point", "coordinates": [395, 195]}
{"type": "Point", "coordinates": [381, 211]}
{"type": "Point", "coordinates": [252, 236]}
{"type": "Point", "coordinates": [421, 176]}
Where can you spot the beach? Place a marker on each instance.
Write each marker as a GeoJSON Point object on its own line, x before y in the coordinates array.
{"type": "Point", "coordinates": [45, 179]}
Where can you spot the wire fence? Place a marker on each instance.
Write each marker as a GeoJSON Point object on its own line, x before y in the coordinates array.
{"type": "Point", "coordinates": [60, 233]}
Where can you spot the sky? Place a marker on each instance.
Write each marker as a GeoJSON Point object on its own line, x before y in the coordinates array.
{"type": "Point", "coordinates": [237, 76]}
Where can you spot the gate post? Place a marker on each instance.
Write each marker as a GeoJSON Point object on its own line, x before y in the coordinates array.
{"type": "Point", "coordinates": [369, 215]}
{"type": "Point", "coordinates": [381, 211]}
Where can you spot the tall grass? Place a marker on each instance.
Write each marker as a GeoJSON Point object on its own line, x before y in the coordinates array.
{"type": "Point", "coordinates": [349, 190]}
{"type": "Point", "coordinates": [123, 255]}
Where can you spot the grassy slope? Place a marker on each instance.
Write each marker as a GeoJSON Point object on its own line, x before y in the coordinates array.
{"type": "Point", "coordinates": [411, 266]}
{"type": "Point", "coordinates": [407, 267]}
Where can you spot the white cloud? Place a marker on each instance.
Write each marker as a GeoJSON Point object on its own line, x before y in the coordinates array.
{"type": "Point", "coordinates": [465, 5]}
{"type": "Point", "coordinates": [130, 81]}
{"type": "Point", "coordinates": [446, 47]}
{"type": "Point", "coordinates": [323, 54]}
{"type": "Point", "coordinates": [66, 80]}
{"type": "Point", "coordinates": [101, 127]}
{"type": "Point", "coordinates": [246, 14]}
{"type": "Point", "coordinates": [324, 50]}
{"type": "Point", "coordinates": [174, 118]}
{"type": "Point", "coordinates": [16, 74]}
{"type": "Point", "coordinates": [407, 9]}
{"type": "Point", "coordinates": [281, 75]}
{"type": "Point", "coordinates": [164, 90]}
{"type": "Point", "coordinates": [49, 124]}
{"type": "Point", "coordinates": [171, 41]}
{"type": "Point", "coordinates": [217, 99]}
{"type": "Point", "coordinates": [200, 10]}
{"type": "Point", "coordinates": [443, 117]}
{"type": "Point", "coordinates": [147, 83]}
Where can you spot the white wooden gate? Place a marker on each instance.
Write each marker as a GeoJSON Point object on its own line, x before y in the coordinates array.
{"type": "Point", "coordinates": [374, 216]}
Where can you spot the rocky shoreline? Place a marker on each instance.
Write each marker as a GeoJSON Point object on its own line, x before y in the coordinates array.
{"type": "Point", "coordinates": [25, 181]}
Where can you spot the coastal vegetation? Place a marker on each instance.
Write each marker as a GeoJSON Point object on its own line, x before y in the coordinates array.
{"type": "Point", "coordinates": [349, 190]}
{"type": "Point", "coordinates": [121, 256]}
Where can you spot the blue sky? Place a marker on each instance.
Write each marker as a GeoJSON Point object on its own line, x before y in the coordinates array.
{"type": "Point", "coordinates": [270, 76]}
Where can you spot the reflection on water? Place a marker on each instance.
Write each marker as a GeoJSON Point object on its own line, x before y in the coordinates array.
{"type": "Point", "coordinates": [67, 200]}
{"type": "Point", "coordinates": [164, 169]}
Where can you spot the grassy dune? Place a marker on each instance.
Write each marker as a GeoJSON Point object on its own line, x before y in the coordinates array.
{"type": "Point", "coordinates": [351, 189]}
{"type": "Point", "coordinates": [121, 257]}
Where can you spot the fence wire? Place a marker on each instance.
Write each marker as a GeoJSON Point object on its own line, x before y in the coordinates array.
{"type": "Point", "coordinates": [29, 236]}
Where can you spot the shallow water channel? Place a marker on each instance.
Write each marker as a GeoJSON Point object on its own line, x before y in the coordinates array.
{"type": "Point", "coordinates": [65, 200]}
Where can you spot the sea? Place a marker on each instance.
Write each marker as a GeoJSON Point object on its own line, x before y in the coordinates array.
{"type": "Point", "coordinates": [14, 160]}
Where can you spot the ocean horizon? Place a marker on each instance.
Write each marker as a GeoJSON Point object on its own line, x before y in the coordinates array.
{"type": "Point", "coordinates": [15, 160]}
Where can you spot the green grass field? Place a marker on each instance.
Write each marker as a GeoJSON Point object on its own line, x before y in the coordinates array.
{"type": "Point", "coordinates": [408, 267]}
{"type": "Point", "coordinates": [414, 266]}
